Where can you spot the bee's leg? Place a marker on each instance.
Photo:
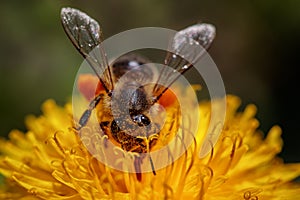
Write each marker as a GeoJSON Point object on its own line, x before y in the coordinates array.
{"type": "Point", "coordinates": [87, 113]}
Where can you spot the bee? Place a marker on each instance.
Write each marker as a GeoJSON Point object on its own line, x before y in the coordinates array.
{"type": "Point", "coordinates": [127, 118]}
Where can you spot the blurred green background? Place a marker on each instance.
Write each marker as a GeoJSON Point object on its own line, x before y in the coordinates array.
{"type": "Point", "coordinates": [256, 50]}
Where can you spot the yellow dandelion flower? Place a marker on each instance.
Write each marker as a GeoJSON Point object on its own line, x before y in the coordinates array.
{"type": "Point", "coordinates": [51, 162]}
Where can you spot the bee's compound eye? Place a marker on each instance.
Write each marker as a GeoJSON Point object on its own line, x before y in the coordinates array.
{"type": "Point", "coordinates": [141, 120]}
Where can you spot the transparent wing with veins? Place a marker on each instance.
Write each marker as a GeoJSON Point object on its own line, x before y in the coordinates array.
{"type": "Point", "coordinates": [185, 49]}
{"type": "Point", "coordinates": [85, 34]}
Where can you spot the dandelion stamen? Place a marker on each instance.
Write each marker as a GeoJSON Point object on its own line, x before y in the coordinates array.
{"type": "Point", "coordinates": [52, 161]}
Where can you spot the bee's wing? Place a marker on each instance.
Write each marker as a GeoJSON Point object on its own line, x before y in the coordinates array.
{"type": "Point", "coordinates": [186, 48]}
{"type": "Point", "coordinates": [85, 34]}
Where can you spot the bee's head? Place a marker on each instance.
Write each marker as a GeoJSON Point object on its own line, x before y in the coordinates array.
{"type": "Point", "coordinates": [138, 103]}
{"type": "Point", "coordinates": [132, 111]}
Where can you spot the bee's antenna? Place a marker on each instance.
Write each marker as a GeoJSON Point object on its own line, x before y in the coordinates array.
{"type": "Point", "coordinates": [152, 165]}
